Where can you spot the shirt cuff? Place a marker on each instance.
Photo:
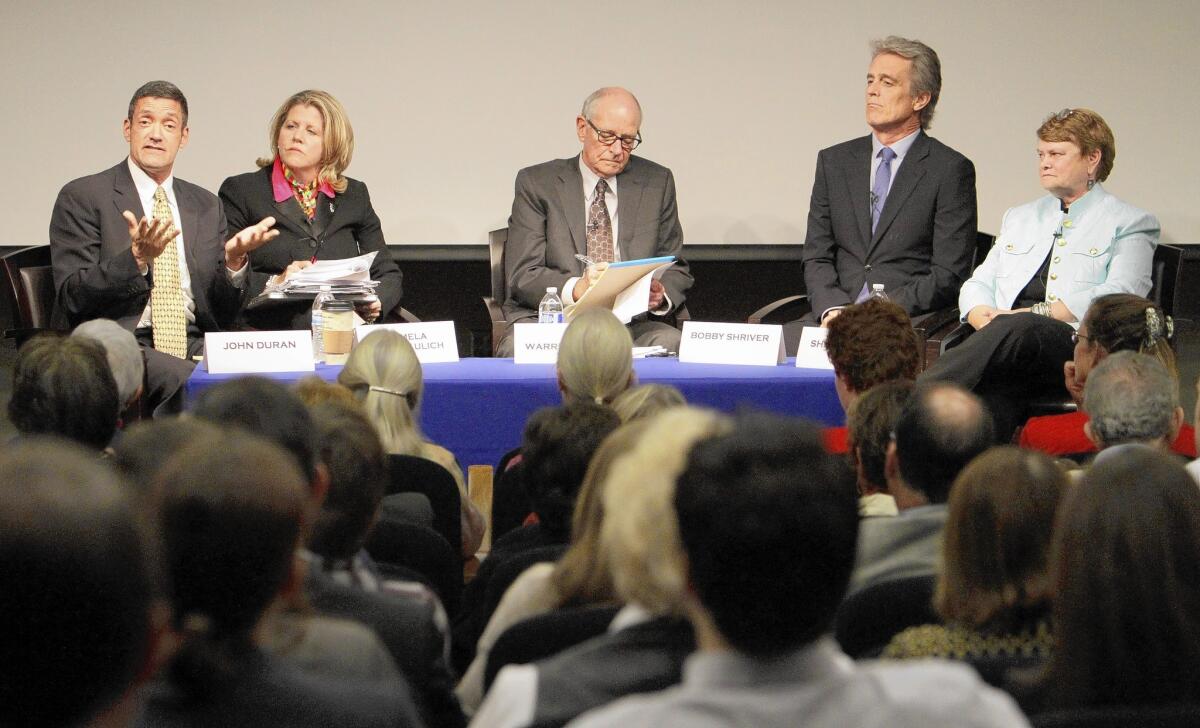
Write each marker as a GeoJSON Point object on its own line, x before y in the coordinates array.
{"type": "Point", "coordinates": [665, 308]}
{"type": "Point", "coordinates": [826, 312]}
{"type": "Point", "coordinates": [237, 277]}
{"type": "Point", "coordinates": [567, 294]}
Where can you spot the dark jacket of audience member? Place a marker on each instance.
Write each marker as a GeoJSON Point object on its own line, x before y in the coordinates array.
{"type": "Point", "coordinates": [79, 583]}
{"type": "Point", "coordinates": [63, 386]}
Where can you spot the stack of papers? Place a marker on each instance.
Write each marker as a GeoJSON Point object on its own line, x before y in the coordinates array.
{"type": "Point", "coordinates": [641, 352]}
{"type": "Point", "coordinates": [345, 276]}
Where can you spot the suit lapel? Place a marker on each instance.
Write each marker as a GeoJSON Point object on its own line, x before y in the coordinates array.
{"type": "Point", "coordinates": [125, 195]}
{"type": "Point", "coordinates": [911, 172]}
{"type": "Point", "coordinates": [629, 199]}
{"type": "Point", "coordinates": [859, 180]}
{"type": "Point", "coordinates": [292, 216]}
{"type": "Point", "coordinates": [570, 196]}
{"type": "Point", "coordinates": [326, 212]}
{"type": "Point", "coordinates": [190, 221]}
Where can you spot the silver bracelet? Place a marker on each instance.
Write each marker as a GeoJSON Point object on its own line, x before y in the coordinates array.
{"type": "Point", "coordinates": [1041, 308]}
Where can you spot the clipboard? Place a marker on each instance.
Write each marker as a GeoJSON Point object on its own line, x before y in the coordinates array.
{"type": "Point", "coordinates": [615, 280]}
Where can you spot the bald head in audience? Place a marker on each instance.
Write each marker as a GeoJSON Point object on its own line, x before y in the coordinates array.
{"type": "Point", "coordinates": [941, 429]}
{"type": "Point", "coordinates": [79, 590]}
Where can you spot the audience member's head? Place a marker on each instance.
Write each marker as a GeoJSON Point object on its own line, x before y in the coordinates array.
{"type": "Point", "coordinates": [595, 358]}
{"type": "Point", "coordinates": [79, 587]}
{"type": "Point", "coordinates": [1132, 398]}
{"type": "Point", "coordinates": [581, 576]}
{"type": "Point", "coordinates": [645, 400]}
{"type": "Point", "coordinates": [640, 532]}
{"type": "Point", "coordinates": [313, 391]}
{"type": "Point", "coordinates": [995, 553]}
{"type": "Point", "coordinates": [351, 451]}
{"type": "Point", "coordinates": [146, 448]}
{"type": "Point", "coordinates": [63, 386]}
{"type": "Point", "coordinates": [766, 515]}
{"type": "Point", "coordinates": [123, 353]}
{"type": "Point", "coordinates": [384, 374]}
{"type": "Point", "coordinates": [941, 428]}
{"type": "Point", "coordinates": [869, 343]}
{"type": "Point", "coordinates": [870, 422]}
{"type": "Point", "coordinates": [230, 535]}
{"type": "Point", "coordinates": [1126, 570]}
{"type": "Point", "coordinates": [1123, 322]}
{"type": "Point", "coordinates": [265, 408]}
{"type": "Point", "coordinates": [557, 446]}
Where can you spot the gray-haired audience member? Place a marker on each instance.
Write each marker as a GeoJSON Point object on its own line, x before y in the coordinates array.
{"type": "Point", "coordinates": [123, 354]}
{"type": "Point", "coordinates": [1132, 398]}
{"type": "Point", "coordinates": [762, 519]}
{"type": "Point", "coordinates": [941, 428]}
{"type": "Point", "coordinates": [870, 422]}
{"type": "Point", "coordinates": [79, 588]}
{"type": "Point", "coordinates": [63, 386]}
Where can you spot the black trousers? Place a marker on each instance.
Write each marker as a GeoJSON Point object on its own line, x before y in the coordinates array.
{"type": "Point", "coordinates": [1013, 361]}
{"type": "Point", "coordinates": [166, 375]}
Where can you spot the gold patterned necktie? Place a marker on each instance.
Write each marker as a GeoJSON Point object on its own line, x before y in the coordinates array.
{"type": "Point", "coordinates": [599, 228]}
{"type": "Point", "coordinates": [166, 297]}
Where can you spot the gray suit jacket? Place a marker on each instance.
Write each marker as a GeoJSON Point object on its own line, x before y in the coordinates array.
{"type": "Point", "coordinates": [545, 230]}
{"type": "Point", "coordinates": [95, 275]}
{"type": "Point", "coordinates": [897, 547]}
{"type": "Point", "coordinates": [921, 250]}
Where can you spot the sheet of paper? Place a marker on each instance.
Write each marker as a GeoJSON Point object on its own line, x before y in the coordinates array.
{"type": "Point", "coordinates": [634, 300]}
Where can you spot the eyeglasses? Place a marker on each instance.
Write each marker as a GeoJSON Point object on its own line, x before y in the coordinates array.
{"type": "Point", "coordinates": [1075, 337]}
{"type": "Point", "coordinates": [608, 137]}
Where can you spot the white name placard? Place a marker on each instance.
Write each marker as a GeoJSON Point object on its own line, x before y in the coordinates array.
{"type": "Point", "coordinates": [812, 354]}
{"type": "Point", "coordinates": [433, 341]}
{"type": "Point", "coordinates": [707, 342]}
{"type": "Point", "coordinates": [258, 352]}
{"type": "Point", "coordinates": [537, 343]}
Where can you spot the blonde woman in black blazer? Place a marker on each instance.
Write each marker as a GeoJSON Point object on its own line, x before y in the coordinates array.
{"type": "Point", "coordinates": [320, 214]}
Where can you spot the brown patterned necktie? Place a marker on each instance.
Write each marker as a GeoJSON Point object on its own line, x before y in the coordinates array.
{"type": "Point", "coordinates": [599, 228]}
{"type": "Point", "coordinates": [166, 298]}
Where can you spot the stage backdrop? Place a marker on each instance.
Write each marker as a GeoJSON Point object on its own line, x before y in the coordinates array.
{"type": "Point", "coordinates": [449, 99]}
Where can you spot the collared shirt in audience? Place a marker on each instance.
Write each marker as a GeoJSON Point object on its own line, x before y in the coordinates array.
{"type": "Point", "coordinates": [815, 686]}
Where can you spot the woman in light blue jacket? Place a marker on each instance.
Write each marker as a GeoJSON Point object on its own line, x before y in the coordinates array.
{"type": "Point", "coordinates": [1052, 258]}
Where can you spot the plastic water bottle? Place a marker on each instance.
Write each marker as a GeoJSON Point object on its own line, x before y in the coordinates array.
{"type": "Point", "coordinates": [878, 292]}
{"type": "Point", "coordinates": [550, 310]}
{"type": "Point", "coordinates": [318, 323]}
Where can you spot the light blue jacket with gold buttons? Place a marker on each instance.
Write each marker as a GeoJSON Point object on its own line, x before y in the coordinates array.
{"type": "Point", "coordinates": [1105, 246]}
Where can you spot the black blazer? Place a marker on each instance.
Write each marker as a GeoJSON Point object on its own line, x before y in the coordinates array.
{"type": "Point", "coordinates": [921, 250]}
{"type": "Point", "coordinates": [95, 275]}
{"type": "Point", "coordinates": [344, 227]}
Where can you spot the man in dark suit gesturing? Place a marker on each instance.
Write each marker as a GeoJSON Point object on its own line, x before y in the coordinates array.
{"type": "Point", "coordinates": [606, 204]}
{"type": "Point", "coordinates": [136, 245]}
{"type": "Point", "coordinates": [896, 207]}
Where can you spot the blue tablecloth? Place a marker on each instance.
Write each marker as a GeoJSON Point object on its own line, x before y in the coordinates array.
{"type": "Point", "coordinates": [477, 407]}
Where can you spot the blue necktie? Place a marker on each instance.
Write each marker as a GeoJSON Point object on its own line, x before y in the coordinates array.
{"type": "Point", "coordinates": [883, 180]}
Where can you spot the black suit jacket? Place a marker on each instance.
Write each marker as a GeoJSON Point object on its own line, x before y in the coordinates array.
{"type": "Point", "coordinates": [545, 230]}
{"type": "Point", "coordinates": [95, 274]}
{"type": "Point", "coordinates": [921, 250]}
{"type": "Point", "coordinates": [344, 227]}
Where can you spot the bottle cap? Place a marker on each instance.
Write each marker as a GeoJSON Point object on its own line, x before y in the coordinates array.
{"type": "Point", "coordinates": [552, 289]}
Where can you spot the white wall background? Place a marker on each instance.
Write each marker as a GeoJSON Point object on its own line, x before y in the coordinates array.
{"type": "Point", "coordinates": [448, 99]}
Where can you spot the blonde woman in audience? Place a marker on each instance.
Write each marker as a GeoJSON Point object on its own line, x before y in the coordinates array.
{"type": "Point", "coordinates": [645, 400]}
{"type": "Point", "coordinates": [648, 640]}
{"type": "Point", "coordinates": [595, 358]}
{"type": "Point", "coordinates": [993, 592]}
{"type": "Point", "coordinates": [384, 374]}
{"type": "Point", "coordinates": [579, 578]}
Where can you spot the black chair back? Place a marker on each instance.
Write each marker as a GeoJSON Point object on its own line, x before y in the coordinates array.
{"type": "Point", "coordinates": [412, 474]}
{"type": "Point", "coordinates": [545, 635]}
{"type": "Point", "coordinates": [869, 619]}
{"type": "Point", "coordinates": [29, 290]}
{"type": "Point", "coordinates": [398, 547]}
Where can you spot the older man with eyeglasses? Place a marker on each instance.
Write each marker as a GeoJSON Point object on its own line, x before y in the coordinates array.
{"type": "Point", "coordinates": [604, 205]}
